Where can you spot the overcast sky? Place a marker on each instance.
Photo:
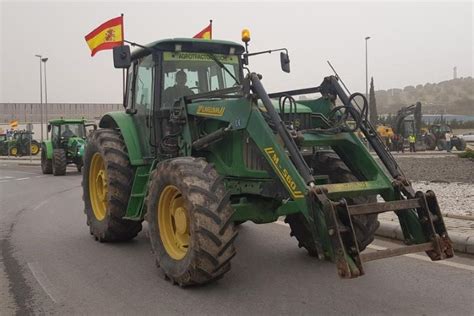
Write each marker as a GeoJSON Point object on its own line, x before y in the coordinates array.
{"type": "Point", "coordinates": [411, 43]}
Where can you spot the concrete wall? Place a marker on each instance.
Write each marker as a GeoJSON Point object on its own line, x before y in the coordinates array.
{"type": "Point", "coordinates": [31, 112]}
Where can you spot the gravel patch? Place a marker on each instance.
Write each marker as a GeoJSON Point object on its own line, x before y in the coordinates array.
{"type": "Point", "coordinates": [443, 169]}
{"type": "Point", "coordinates": [454, 198]}
{"type": "Point", "coordinates": [450, 177]}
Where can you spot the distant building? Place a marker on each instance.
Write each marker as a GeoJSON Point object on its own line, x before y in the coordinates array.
{"type": "Point", "coordinates": [31, 112]}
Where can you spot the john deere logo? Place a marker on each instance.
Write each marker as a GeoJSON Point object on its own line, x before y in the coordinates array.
{"type": "Point", "coordinates": [210, 110]}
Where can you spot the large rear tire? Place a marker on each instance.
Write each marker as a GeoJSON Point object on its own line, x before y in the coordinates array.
{"type": "Point", "coordinates": [34, 148]}
{"type": "Point", "coordinates": [442, 145]}
{"type": "Point", "coordinates": [461, 144]}
{"type": "Point", "coordinates": [59, 162]}
{"type": "Point", "coordinates": [107, 184]}
{"type": "Point", "coordinates": [46, 164]}
{"type": "Point", "coordinates": [328, 163]}
{"type": "Point", "coordinates": [430, 142]}
{"type": "Point", "coordinates": [13, 151]}
{"type": "Point", "coordinates": [190, 221]}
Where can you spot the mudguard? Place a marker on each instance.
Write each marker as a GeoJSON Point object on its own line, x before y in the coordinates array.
{"type": "Point", "coordinates": [124, 123]}
{"type": "Point", "coordinates": [49, 148]}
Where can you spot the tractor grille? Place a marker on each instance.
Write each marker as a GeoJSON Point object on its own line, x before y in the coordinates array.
{"type": "Point", "coordinates": [253, 158]}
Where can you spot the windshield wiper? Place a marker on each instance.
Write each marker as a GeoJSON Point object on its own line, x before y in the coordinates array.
{"type": "Point", "coordinates": [214, 58]}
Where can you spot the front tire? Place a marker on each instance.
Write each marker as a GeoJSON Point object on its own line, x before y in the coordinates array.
{"type": "Point", "coordinates": [59, 162]}
{"type": "Point", "coordinates": [46, 164]}
{"type": "Point", "coordinates": [190, 221]}
{"type": "Point", "coordinates": [328, 163]}
{"type": "Point", "coordinates": [107, 184]}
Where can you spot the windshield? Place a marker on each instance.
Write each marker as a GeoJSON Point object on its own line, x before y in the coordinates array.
{"type": "Point", "coordinates": [72, 130]}
{"type": "Point", "coordinates": [192, 73]}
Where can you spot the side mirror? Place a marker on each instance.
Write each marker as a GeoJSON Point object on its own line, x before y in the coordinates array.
{"type": "Point", "coordinates": [49, 128]}
{"type": "Point", "coordinates": [122, 57]}
{"type": "Point", "coordinates": [285, 62]}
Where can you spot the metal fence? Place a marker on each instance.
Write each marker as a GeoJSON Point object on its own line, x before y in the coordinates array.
{"type": "Point", "coordinates": [31, 112]}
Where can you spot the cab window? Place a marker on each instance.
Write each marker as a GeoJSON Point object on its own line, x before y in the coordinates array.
{"type": "Point", "coordinates": [191, 73]}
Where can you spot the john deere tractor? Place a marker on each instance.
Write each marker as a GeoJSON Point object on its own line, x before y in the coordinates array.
{"type": "Point", "coordinates": [65, 145]}
{"type": "Point", "coordinates": [22, 144]}
{"type": "Point", "coordinates": [202, 147]}
{"type": "Point", "coordinates": [3, 144]}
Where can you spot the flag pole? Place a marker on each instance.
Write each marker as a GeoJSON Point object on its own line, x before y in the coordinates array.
{"type": "Point", "coordinates": [210, 23]}
{"type": "Point", "coordinates": [123, 70]}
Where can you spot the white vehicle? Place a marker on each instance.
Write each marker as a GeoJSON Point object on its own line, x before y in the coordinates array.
{"type": "Point", "coordinates": [469, 137]}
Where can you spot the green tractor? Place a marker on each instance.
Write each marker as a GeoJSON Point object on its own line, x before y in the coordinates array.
{"type": "Point", "coordinates": [22, 144]}
{"type": "Point", "coordinates": [3, 144]}
{"type": "Point", "coordinates": [201, 147]}
{"type": "Point", "coordinates": [65, 146]}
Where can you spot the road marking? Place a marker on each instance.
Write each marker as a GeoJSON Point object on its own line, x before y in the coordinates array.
{"type": "Point", "coordinates": [42, 279]}
{"type": "Point", "coordinates": [414, 256]}
{"type": "Point", "coordinates": [21, 179]}
{"type": "Point", "coordinates": [5, 177]}
{"type": "Point", "coordinates": [41, 204]}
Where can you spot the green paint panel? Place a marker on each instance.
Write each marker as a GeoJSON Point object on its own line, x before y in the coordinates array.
{"type": "Point", "coordinates": [129, 132]}
{"type": "Point", "coordinates": [49, 149]}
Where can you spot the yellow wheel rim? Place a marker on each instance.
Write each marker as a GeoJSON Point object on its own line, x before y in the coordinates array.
{"type": "Point", "coordinates": [14, 151]}
{"type": "Point", "coordinates": [98, 186]}
{"type": "Point", "coordinates": [173, 222]}
{"type": "Point", "coordinates": [34, 149]}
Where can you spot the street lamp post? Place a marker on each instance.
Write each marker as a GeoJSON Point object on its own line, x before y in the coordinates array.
{"type": "Point", "coordinates": [44, 60]}
{"type": "Point", "coordinates": [41, 94]}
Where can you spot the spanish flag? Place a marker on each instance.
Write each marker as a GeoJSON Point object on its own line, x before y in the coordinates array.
{"type": "Point", "coordinates": [107, 36]}
{"type": "Point", "coordinates": [206, 33]}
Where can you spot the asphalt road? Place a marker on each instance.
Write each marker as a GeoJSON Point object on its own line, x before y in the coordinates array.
{"type": "Point", "coordinates": [50, 264]}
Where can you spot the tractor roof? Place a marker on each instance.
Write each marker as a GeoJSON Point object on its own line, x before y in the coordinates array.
{"type": "Point", "coordinates": [191, 45]}
{"type": "Point", "coordinates": [67, 121]}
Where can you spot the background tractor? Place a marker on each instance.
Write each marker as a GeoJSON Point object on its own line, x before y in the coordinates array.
{"type": "Point", "coordinates": [22, 143]}
{"type": "Point", "coordinates": [201, 147]}
{"type": "Point", "coordinates": [65, 145]}
{"type": "Point", "coordinates": [437, 136]}
{"type": "Point", "coordinates": [3, 144]}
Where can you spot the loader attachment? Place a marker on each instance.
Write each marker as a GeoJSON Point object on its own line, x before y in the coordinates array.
{"type": "Point", "coordinates": [327, 210]}
{"type": "Point", "coordinates": [346, 253]}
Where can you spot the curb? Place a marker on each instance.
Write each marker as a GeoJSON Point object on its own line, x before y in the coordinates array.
{"type": "Point", "coordinates": [461, 243]}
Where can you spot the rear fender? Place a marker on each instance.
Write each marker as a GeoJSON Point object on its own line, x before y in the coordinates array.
{"type": "Point", "coordinates": [125, 124]}
{"type": "Point", "coordinates": [49, 148]}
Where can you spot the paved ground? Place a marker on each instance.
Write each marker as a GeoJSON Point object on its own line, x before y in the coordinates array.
{"type": "Point", "coordinates": [50, 264]}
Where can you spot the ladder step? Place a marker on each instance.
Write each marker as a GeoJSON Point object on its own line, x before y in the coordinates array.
{"type": "Point", "coordinates": [137, 195]}
{"type": "Point", "coordinates": [375, 208]}
{"type": "Point", "coordinates": [381, 254]}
